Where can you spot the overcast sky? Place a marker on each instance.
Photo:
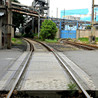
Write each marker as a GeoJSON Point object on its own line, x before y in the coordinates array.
{"type": "Point", "coordinates": [64, 4]}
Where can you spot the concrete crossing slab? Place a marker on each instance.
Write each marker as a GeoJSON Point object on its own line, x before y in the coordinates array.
{"type": "Point", "coordinates": [45, 73]}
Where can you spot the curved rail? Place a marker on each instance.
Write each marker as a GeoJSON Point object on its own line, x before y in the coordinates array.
{"type": "Point", "coordinates": [84, 46]}
{"type": "Point", "coordinates": [60, 60]}
{"type": "Point", "coordinates": [72, 75]}
{"type": "Point", "coordinates": [20, 74]}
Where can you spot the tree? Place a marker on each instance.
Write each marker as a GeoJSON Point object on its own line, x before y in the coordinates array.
{"type": "Point", "coordinates": [88, 27]}
{"type": "Point", "coordinates": [48, 30]}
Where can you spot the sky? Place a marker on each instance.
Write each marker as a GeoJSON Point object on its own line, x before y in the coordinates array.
{"type": "Point", "coordinates": [64, 4]}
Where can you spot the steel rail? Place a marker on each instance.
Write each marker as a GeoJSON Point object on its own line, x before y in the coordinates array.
{"type": "Point", "coordinates": [19, 76]}
{"type": "Point", "coordinates": [72, 75]}
{"type": "Point", "coordinates": [88, 47]}
{"type": "Point", "coordinates": [60, 60]}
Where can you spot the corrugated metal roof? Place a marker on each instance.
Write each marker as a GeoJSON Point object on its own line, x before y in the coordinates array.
{"type": "Point", "coordinates": [1, 13]}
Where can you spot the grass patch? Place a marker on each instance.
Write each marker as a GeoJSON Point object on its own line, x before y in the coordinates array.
{"type": "Point", "coordinates": [16, 41]}
{"type": "Point", "coordinates": [96, 39]}
{"type": "Point", "coordinates": [84, 39]}
{"type": "Point", "coordinates": [47, 40]}
{"type": "Point", "coordinates": [72, 87]}
{"type": "Point", "coordinates": [51, 41]}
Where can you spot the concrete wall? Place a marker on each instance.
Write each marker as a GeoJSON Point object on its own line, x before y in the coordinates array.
{"type": "Point", "coordinates": [12, 32]}
{"type": "Point", "coordinates": [58, 34]}
{"type": "Point", "coordinates": [85, 33]}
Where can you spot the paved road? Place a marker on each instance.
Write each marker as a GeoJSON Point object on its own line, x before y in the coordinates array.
{"type": "Point", "coordinates": [87, 60]}
{"type": "Point", "coordinates": [7, 58]}
{"type": "Point", "coordinates": [45, 73]}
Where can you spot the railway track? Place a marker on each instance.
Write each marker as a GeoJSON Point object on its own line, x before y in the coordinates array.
{"type": "Point", "coordinates": [59, 58]}
{"type": "Point", "coordinates": [21, 71]}
{"type": "Point", "coordinates": [81, 45]}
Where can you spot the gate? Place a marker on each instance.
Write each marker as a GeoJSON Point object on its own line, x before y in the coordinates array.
{"type": "Point", "coordinates": [68, 34]}
{"type": "Point", "coordinates": [68, 29]}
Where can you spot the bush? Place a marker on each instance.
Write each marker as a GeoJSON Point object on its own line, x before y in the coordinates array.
{"type": "Point", "coordinates": [48, 30]}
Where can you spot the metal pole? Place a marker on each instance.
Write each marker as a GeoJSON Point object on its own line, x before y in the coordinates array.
{"type": "Point", "coordinates": [32, 25]}
{"type": "Point", "coordinates": [95, 15]}
{"type": "Point", "coordinates": [92, 24]}
{"type": "Point", "coordinates": [38, 25]}
{"type": "Point", "coordinates": [48, 1]}
{"type": "Point", "coordinates": [64, 13]}
{"type": "Point", "coordinates": [9, 25]}
{"type": "Point", "coordinates": [57, 13]}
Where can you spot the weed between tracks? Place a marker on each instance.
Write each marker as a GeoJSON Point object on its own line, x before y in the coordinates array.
{"type": "Point", "coordinates": [17, 41]}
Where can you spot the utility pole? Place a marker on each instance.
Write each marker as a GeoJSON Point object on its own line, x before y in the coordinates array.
{"type": "Point", "coordinates": [39, 25]}
{"type": "Point", "coordinates": [95, 15]}
{"type": "Point", "coordinates": [57, 13]}
{"type": "Point", "coordinates": [48, 1]}
{"type": "Point", "coordinates": [9, 25]}
{"type": "Point", "coordinates": [92, 37]}
{"type": "Point", "coordinates": [64, 13]}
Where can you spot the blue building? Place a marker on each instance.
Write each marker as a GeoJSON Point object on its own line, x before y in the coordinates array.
{"type": "Point", "coordinates": [76, 14]}
{"type": "Point", "coordinates": [83, 14]}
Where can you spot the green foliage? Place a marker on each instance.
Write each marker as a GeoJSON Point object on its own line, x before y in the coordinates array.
{"type": "Point", "coordinates": [72, 87]}
{"type": "Point", "coordinates": [16, 41]}
{"type": "Point", "coordinates": [83, 39]}
{"type": "Point", "coordinates": [51, 41]}
{"type": "Point", "coordinates": [48, 30]}
{"type": "Point", "coordinates": [13, 39]}
{"type": "Point", "coordinates": [96, 39]}
{"type": "Point", "coordinates": [88, 27]}
{"type": "Point", "coordinates": [35, 35]}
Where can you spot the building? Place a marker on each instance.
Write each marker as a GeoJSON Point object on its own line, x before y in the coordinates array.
{"type": "Point", "coordinates": [71, 25]}
{"type": "Point", "coordinates": [82, 14]}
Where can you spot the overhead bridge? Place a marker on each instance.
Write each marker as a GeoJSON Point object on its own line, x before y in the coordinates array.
{"type": "Point", "coordinates": [66, 27]}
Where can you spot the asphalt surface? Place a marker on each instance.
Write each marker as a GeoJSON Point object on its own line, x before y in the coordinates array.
{"type": "Point", "coordinates": [7, 58]}
{"type": "Point", "coordinates": [86, 60]}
